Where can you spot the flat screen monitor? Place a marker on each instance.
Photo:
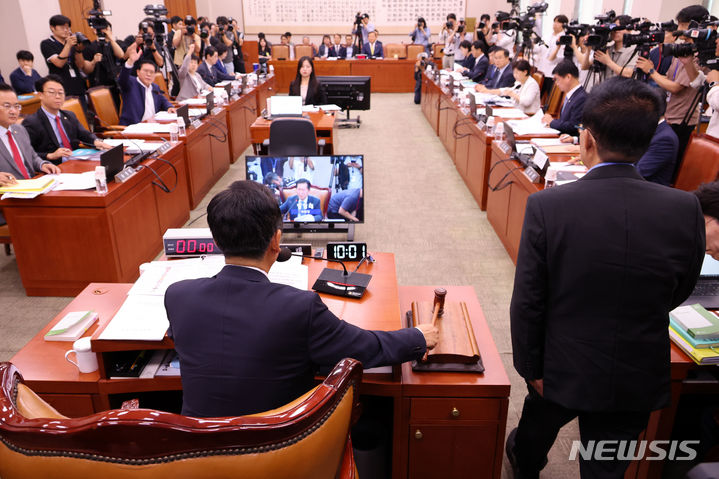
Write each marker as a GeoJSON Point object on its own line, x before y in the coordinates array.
{"type": "Point", "coordinates": [313, 189]}
{"type": "Point", "coordinates": [184, 113]}
{"type": "Point", "coordinates": [281, 105]}
{"type": "Point", "coordinates": [347, 92]}
{"type": "Point", "coordinates": [113, 160]}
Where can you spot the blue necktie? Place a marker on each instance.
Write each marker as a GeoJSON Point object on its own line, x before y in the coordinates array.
{"type": "Point", "coordinates": [496, 79]}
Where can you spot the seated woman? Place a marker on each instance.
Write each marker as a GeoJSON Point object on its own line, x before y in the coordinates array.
{"type": "Point", "coordinates": [264, 51]}
{"type": "Point", "coordinates": [326, 50]}
{"type": "Point", "coordinates": [525, 92]}
{"type": "Point", "coordinates": [306, 85]}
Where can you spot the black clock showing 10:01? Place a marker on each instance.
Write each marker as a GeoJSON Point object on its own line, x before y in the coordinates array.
{"type": "Point", "coordinates": [348, 251]}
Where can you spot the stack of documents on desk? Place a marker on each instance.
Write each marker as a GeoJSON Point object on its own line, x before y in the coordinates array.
{"type": "Point", "coordinates": [505, 112]}
{"type": "Point", "coordinates": [531, 126]}
{"type": "Point", "coordinates": [165, 116]}
{"type": "Point", "coordinates": [75, 181]}
{"type": "Point", "coordinates": [554, 145]}
{"type": "Point", "coordinates": [27, 189]}
{"type": "Point", "coordinates": [194, 102]}
{"type": "Point", "coordinates": [147, 128]}
{"type": "Point", "coordinates": [694, 330]}
{"type": "Point", "coordinates": [133, 147]}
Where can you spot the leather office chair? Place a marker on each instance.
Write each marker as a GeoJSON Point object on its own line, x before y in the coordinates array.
{"type": "Point", "coordinates": [280, 52]}
{"type": "Point", "coordinates": [539, 78]}
{"type": "Point", "coordinates": [700, 163]}
{"type": "Point", "coordinates": [162, 83]}
{"type": "Point", "coordinates": [323, 194]}
{"type": "Point", "coordinates": [293, 137]}
{"type": "Point", "coordinates": [414, 50]}
{"type": "Point", "coordinates": [437, 51]}
{"type": "Point", "coordinates": [392, 49]}
{"type": "Point", "coordinates": [308, 437]}
{"type": "Point", "coordinates": [303, 51]}
{"type": "Point", "coordinates": [103, 106]}
{"type": "Point", "coordinates": [555, 101]}
{"type": "Point", "coordinates": [73, 104]}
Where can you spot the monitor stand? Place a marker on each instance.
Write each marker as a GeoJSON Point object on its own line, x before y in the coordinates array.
{"type": "Point", "coordinates": [348, 122]}
{"type": "Point", "coordinates": [349, 228]}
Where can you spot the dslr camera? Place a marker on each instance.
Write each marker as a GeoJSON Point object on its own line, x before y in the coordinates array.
{"type": "Point", "coordinates": [147, 37]}
{"type": "Point", "coordinates": [648, 37]}
{"type": "Point", "coordinates": [97, 21]}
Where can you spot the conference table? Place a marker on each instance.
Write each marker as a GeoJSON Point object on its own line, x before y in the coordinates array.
{"type": "Point", "coordinates": [387, 75]}
{"type": "Point", "coordinates": [441, 424]}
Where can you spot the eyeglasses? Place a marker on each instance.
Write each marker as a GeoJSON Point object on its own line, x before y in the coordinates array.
{"type": "Point", "coordinates": [8, 106]}
{"type": "Point", "coordinates": [54, 93]}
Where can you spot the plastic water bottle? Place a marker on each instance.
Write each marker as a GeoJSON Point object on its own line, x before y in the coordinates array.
{"type": "Point", "coordinates": [174, 133]}
{"type": "Point", "coordinates": [181, 131]}
{"type": "Point", "coordinates": [499, 132]}
{"type": "Point", "coordinates": [550, 177]}
{"type": "Point", "coordinates": [100, 180]}
{"type": "Point", "coordinates": [490, 126]}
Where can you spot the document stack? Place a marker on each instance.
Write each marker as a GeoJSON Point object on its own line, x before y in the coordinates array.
{"type": "Point", "coordinates": [696, 331]}
{"type": "Point", "coordinates": [28, 189]}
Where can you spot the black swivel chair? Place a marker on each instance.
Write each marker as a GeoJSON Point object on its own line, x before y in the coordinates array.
{"type": "Point", "coordinates": [293, 137]}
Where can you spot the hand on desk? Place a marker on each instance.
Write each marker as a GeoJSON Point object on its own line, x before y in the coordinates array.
{"type": "Point", "coordinates": [547, 119]}
{"type": "Point", "coordinates": [564, 138]}
{"type": "Point", "coordinates": [101, 145]}
{"type": "Point", "coordinates": [59, 153]}
{"type": "Point", "coordinates": [6, 179]}
{"type": "Point", "coordinates": [172, 110]}
{"type": "Point", "coordinates": [50, 169]}
{"type": "Point", "coordinates": [431, 334]}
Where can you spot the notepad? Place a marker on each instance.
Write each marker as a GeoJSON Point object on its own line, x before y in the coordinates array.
{"type": "Point", "coordinates": [32, 185]}
{"type": "Point", "coordinates": [72, 326]}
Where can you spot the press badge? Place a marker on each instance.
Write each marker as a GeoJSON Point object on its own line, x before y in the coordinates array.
{"type": "Point", "coordinates": [72, 72]}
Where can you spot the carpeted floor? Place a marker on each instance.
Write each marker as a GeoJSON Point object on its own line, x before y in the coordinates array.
{"type": "Point", "coordinates": [416, 207]}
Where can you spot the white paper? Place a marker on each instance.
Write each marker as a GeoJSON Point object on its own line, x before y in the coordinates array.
{"type": "Point", "coordinates": [140, 318]}
{"type": "Point", "coordinates": [309, 108]}
{"type": "Point", "coordinates": [508, 113]}
{"type": "Point", "coordinates": [547, 141]}
{"type": "Point", "coordinates": [157, 276]}
{"type": "Point", "coordinates": [292, 273]}
{"type": "Point", "coordinates": [133, 147]}
{"type": "Point", "coordinates": [329, 108]}
{"type": "Point", "coordinates": [192, 112]}
{"type": "Point", "coordinates": [75, 181]}
{"type": "Point", "coordinates": [148, 128]}
{"type": "Point", "coordinates": [194, 102]}
{"type": "Point", "coordinates": [531, 126]}
{"type": "Point", "coordinates": [165, 116]}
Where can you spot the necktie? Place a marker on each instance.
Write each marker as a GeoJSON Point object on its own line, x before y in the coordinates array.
{"type": "Point", "coordinates": [497, 76]}
{"type": "Point", "coordinates": [561, 112]}
{"type": "Point", "coordinates": [16, 156]}
{"type": "Point", "coordinates": [371, 48]}
{"type": "Point", "coordinates": [63, 136]}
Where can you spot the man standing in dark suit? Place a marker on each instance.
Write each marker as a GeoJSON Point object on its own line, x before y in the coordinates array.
{"type": "Point", "coordinates": [601, 263]}
{"type": "Point", "coordinates": [566, 77]}
{"type": "Point", "coordinates": [502, 76]}
{"type": "Point", "coordinates": [373, 48]}
{"type": "Point", "coordinates": [141, 97]}
{"type": "Point", "coordinates": [302, 205]}
{"type": "Point", "coordinates": [660, 160]}
{"type": "Point", "coordinates": [247, 345]}
{"type": "Point", "coordinates": [54, 133]}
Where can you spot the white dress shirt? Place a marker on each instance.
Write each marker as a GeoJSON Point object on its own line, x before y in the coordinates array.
{"type": "Point", "coordinates": [149, 102]}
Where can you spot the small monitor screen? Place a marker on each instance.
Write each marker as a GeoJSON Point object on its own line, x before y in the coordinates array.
{"type": "Point", "coordinates": [313, 189]}
{"type": "Point", "coordinates": [285, 105]}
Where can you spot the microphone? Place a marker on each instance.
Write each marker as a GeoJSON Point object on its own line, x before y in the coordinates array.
{"type": "Point", "coordinates": [334, 281]}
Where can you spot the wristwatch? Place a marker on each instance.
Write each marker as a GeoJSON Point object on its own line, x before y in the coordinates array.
{"type": "Point", "coordinates": [651, 71]}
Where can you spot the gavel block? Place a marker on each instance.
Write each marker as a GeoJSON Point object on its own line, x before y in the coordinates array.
{"type": "Point", "coordinates": [457, 343]}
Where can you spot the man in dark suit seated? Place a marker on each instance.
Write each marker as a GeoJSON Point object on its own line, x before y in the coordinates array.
{"type": "Point", "coordinates": [502, 77]}
{"type": "Point", "coordinates": [660, 160]}
{"type": "Point", "coordinates": [208, 68]}
{"type": "Point", "coordinates": [566, 78]}
{"type": "Point", "coordinates": [373, 48]}
{"type": "Point", "coordinates": [708, 194]}
{"type": "Point", "coordinates": [141, 97]}
{"type": "Point", "coordinates": [247, 345]}
{"type": "Point", "coordinates": [601, 263]}
{"type": "Point", "coordinates": [302, 206]}
{"type": "Point", "coordinates": [54, 133]}
{"type": "Point", "coordinates": [478, 71]}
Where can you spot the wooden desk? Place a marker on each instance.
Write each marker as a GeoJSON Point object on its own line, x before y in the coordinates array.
{"type": "Point", "coordinates": [264, 91]}
{"type": "Point", "coordinates": [324, 129]}
{"type": "Point", "coordinates": [388, 75]}
{"type": "Point", "coordinates": [64, 240]}
{"type": "Point", "coordinates": [457, 446]}
{"type": "Point", "coordinates": [240, 115]}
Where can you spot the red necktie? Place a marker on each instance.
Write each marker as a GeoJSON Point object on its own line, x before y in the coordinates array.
{"type": "Point", "coordinates": [16, 156]}
{"type": "Point", "coordinates": [63, 136]}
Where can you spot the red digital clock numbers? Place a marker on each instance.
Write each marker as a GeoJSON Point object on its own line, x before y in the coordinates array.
{"type": "Point", "coordinates": [194, 246]}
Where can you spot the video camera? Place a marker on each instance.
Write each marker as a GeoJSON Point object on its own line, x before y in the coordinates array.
{"type": "Point", "coordinates": [97, 21]}
{"type": "Point", "coordinates": [703, 43]}
{"type": "Point", "coordinates": [159, 13]}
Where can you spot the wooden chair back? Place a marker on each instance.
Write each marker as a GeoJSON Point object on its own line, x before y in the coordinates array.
{"type": "Point", "coordinates": [414, 50]}
{"type": "Point", "coordinates": [303, 51]}
{"type": "Point", "coordinates": [392, 49]}
{"type": "Point", "coordinates": [700, 163]}
{"type": "Point", "coordinates": [280, 52]}
{"type": "Point", "coordinates": [437, 51]}
{"type": "Point", "coordinates": [73, 104]}
{"type": "Point", "coordinates": [103, 105]}
{"type": "Point", "coordinates": [323, 194]}
{"type": "Point", "coordinates": [37, 441]}
{"type": "Point", "coordinates": [162, 83]}
{"type": "Point", "coordinates": [555, 101]}
{"type": "Point", "coordinates": [539, 78]}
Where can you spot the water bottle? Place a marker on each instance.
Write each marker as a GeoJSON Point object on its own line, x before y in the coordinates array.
{"type": "Point", "coordinates": [181, 131]}
{"type": "Point", "coordinates": [499, 132]}
{"type": "Point", "coordinates": [174, 133]}
{"type": "Point", "coordinates": [490, 126]}
{"type": "Point", "coordinates": [100, 180]}
{"type": "Point", "coordinates": [550, 177]}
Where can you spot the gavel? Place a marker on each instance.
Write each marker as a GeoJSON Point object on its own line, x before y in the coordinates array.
{"type": "Point", "coordinates": [437, 310]}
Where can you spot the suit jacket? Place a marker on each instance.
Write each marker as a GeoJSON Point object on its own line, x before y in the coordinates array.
{"type": "Point", "coordinates": [469, 61]}
{"type": "Point", "coordinates": [313, 203]}
{"type": "Point", "coordinates": [601, 263]}
{"type": "Point", "coordinates": [658, 163]}
{"type": "Point", "coordinates": [133, 98]}
{"type": "Point", "coordinates": [43, 136]}
{"type": "Point", "coordinates": [378, 51]}
{"type": "Point", "coordinates": [23, 83]}
{"type": "Point", "coordinates": [506, 80]}
{"type": "Point", "coordinates": [315, 96]}
{"type": "Point", "coordinates": [212, 75]}
{"type": "Point", "coordinates": [33, 162]}
{"type": "Point", "coordinates": [188, 89]}
{"type": "Point", "coordinates": [571, 113]}
{"type": "Point", "coordinates": [331, 51]}
{"type": "Point", "coordinates": [350, 48]}
{"type": "Point", "coordinates": [248, 345]}
{"type": "Point", "coordinates": [479, 70]}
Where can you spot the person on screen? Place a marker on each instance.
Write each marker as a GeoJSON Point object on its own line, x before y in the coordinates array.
{"type": "Point", "coordinates": [354, 164]}
{"type": "Point", "coordinates": [344, 205]}
{"type": "Point", "coordinates": [302, 206]}
{"type": "Point", "coordinates": [306, 85]}
{"type": "Point", "coordinates": [302, 168]}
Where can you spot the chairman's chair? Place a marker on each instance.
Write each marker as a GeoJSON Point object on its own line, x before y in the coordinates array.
{"type": "Point", "coordinates": [414, 50]}
{"type": "Point", "coordinates": [307, 438]}
{"type": "Point", "coordinates": [293, 137]}
{"type": "Point", "coordinates": [323, 194]}
{"type": "Point", "coordinates": [280, 52]}
{"type": "Point", "coordinates": [103, 106]}
{"type": "Point", "coordinates": [392, 49]}
{"type": "Point", "coordinates": [73, 104]}
{"type": "Point", "coordinates": [304, 51]}
{"type": "Point", "coordinates": [700, 163]}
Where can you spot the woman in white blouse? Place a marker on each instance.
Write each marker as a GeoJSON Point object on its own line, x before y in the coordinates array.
{"type": "Point", "coordinates": [525, 91]}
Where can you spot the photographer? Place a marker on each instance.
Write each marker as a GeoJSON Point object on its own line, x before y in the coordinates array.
{"type": "Point", "coordinates": [421, 34]}
{"type": "Point", "coordinates": [483, 29]}
{"type": "Point", "coordinates": [451, 40]}
{"type": "Point", "coordinates": [554, 53]}
{"type": "Point", "coordinates": [618, 60]}
{"type": "Point", "coordinates": [419, 66]}
{"type": "Point", "coordinates": [681, 82]}
{"type": "Point", "coordinates": [226, 36]}
{"type": "Point", "coordinates": [713, 99]}
{"type": "Point", "coordinates": [144, 42]}
{"type": "Point", "coordinates": [107, 68]}
{"type": "Point", "coordinates": [183, 37]}
{"type": "Point", "coordinates": [460, 55]}
{"type": "Point", "coordinates": [237, 56]}
{"type": "Point", "coordinates": [502, 38]}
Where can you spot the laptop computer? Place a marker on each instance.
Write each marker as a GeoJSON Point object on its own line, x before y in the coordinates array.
{"type": "Point", "coordinates": [706, 291]}
{"type": "Point", "coordinates": [283, 106]}
{"type": "Point", "coordinates": [113, 160]}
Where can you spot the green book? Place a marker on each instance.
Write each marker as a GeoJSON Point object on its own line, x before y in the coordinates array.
{"type": "Point", "coordinates": [697, 321]}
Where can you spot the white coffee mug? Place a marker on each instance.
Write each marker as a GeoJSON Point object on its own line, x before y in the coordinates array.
{"type": "Point", "coordinates": [86, 359]}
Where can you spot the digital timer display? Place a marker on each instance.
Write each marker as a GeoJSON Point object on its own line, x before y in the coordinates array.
{"type": "Point", "coordinates": [190, 247]}
{"type": "Point", "coordinates": [346, 251]}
